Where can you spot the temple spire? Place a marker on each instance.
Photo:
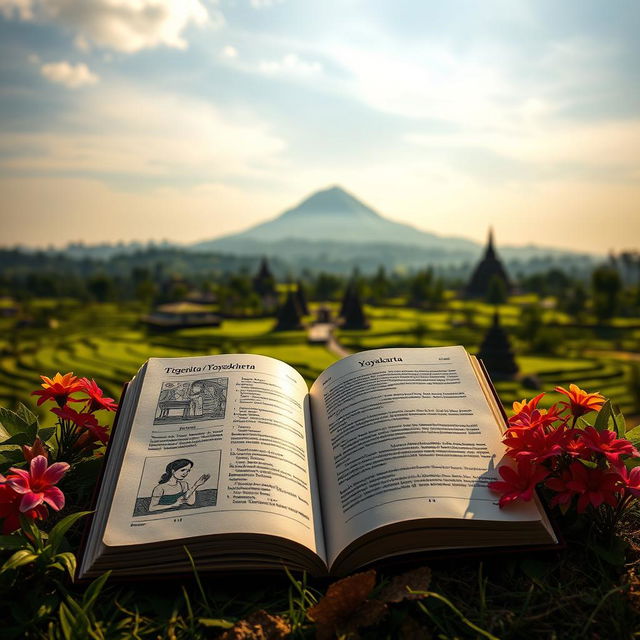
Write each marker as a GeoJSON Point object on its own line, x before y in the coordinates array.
{"type": "Point", "coordinates": [490, 251]}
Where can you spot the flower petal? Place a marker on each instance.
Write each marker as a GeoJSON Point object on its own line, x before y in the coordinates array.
{"type": "Point", "coordinates": [38, 467]}
{"type": "Point", "coordinates": [30, 501]}
{"type": "Point", "coordinates": [19, 484]}
{"type": "Point", "coordinates": [54, 498]}
{"type": "Point", "coordinates": [55, 472]}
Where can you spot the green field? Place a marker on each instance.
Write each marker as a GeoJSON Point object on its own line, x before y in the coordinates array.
{"type": "Point", "coordinates": [109, 343]}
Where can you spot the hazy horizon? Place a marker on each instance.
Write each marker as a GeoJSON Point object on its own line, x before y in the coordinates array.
{"type": "Point", "coordinates": [187, 120]}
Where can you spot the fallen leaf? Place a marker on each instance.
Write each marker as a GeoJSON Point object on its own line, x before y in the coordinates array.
{"type": "Point", "coordinates": [340, 603]}
{"type": "Point", "coordinates": [370, 612]}
{"type": "Point", "coordinates": [258, 626]}
{"type": "Point", "coordinates": [398, 589]}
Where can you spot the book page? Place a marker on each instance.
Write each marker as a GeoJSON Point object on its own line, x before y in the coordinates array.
{"type": "Point", "coordinates": [219, 444]}
{"type": "Point", "coordinates": [404, 434]}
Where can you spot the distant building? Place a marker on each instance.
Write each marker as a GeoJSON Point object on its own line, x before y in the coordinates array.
{"type": "Point", "coordinates": [179, 315]}
{"type": "Point", "coordinates": [289, 314]}
{"type": "Point", "coordinates": [488, 269]}
{"type": "Point", "coordinates": [264, 284]}
{"type": "Point", "coordinates": [351, 310]}
{"type": "Point", "coordinates": [496, 352]}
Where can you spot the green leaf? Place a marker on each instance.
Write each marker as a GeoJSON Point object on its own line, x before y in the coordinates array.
{"type": "Point", "coordinates": [12, 456]}
{"type": "Point", "coordinates": [633, 436]}
{"type": "Point", "coordinates": [602, 421]}
{"type": "Point", "coordinates": [67, 621]}
{"type": "Point", "coordinates": [13, 542]}
{"type": "Point", "coordinates": [46, 433]}
{"type": "Point", "coordinates": [31, 531]}
{"type": "Point", "coordinates": [93, 591]}
{"type": "Point", "coordinates": [18, 438]}
{"type": "Point", "coordinates": [28, 416]}
{"type": "Point", "coordinates": [66, 562]}
{"type": "Point", "coordinates": [86, 472]}
{"type": "Point", "coordinates": [215, 622]}
{"type": "Point", "coordinates": [12, 422]}
{"type": "Point", "coordinates": [56, 535]}
{"type": "Point", "coordinates": [619, 423]}
{"type": "Point", "coordinates": [18, 559]}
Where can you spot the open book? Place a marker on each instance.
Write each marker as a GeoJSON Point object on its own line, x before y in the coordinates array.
{"type": "Point", "coordinates": [233, 457]}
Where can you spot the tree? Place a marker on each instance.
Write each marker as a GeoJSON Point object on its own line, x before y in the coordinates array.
{"type": "Point", "coordinates": [606, 286]}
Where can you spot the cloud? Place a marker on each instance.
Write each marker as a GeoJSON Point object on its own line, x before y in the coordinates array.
{"type": "Point", "coordinates": [69, 75]}
{"type": "Point", "coordinates": [122, 25]}
{"type": "Point", "coordinates": [264, 4]}
{"type": "Point", "coordinates": [146, 136]}
{"type": "Point", "coordinates": [229, 52]}
{"type": "Point", "coordinates": [290, 63]}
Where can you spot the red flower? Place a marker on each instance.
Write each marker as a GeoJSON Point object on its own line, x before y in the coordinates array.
{"type": "Point", "coordinates": [86, 421]}
{"type": "Point", "coordinates": [581, 402]}
{"type": "Point", "coordinates": [59, 389]}
{"type": "Point", "coordinates": [518, 484]}
{"type": "Point", "coordinates": [79, 419]}
{"type": "Point", "coordinates": [36, 485]}
{"type": "Point", "coordinates": [38, 449]}
{"type": "Point", "coordinates": [525, 408]}
{"type": "Point", "coordinates": [97, 399]}
{"type": "Point", "coordinates": [559, 485]}
{"type": "Point", "coordinates": [607, 443]}
{"type": "Point", "coordinates": [534, 444]}
{"type": "Point", "coordinates": [10, 509]}
{"type": "Point", "coordinates": [574, 446]}
{"type": "Point", "coordinates": [594, 486]}
{"type": "Point", "coordinates": [630, 479]}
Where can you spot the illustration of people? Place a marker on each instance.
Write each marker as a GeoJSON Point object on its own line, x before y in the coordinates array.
{"type": "Point", "coordinates": [196, 399]}
{"type": "Point", "coordinates": [172, 489]}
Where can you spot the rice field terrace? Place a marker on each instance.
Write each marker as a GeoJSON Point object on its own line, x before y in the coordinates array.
{"type": "Point", "coordinates": [109, 343]}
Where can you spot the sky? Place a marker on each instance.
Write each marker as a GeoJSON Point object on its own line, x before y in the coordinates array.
{"type": "Point", "coordinates": [189, 119]}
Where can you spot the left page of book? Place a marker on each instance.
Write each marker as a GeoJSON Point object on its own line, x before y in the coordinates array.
{"type": "Point", "coordinates": [219, 444]}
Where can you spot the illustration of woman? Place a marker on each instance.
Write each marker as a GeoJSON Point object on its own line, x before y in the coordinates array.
{"type": "Point", "coordinates": [172, 489]}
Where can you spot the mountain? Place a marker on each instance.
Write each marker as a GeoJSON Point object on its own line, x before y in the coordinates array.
{"type": "Point", "coordinates": [334, 215]}
{"type": "Point", "coordinates": [332, 230]}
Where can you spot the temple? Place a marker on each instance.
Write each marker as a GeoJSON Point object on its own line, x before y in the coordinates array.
{"type": "Point", "coordinates": [496, 352]}
{"type": "Point", "coordinates": [488, 269]}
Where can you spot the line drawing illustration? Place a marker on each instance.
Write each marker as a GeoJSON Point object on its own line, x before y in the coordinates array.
{"type": "Point", "coordinates": [170, 483]}
{"type": "Point", "coordinates": [192, 401]}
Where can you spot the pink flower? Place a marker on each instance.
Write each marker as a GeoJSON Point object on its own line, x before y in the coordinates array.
{"type": "Point", "coordinates": [518, 484]}
{"type": "Point", "coordinates": [630, 479]}
{"type": "Point", "coordinates": [607, 443]}
{"type": "Point", "coordinates": [10, 509]}
{"type": "Point", "coordinates": [36, 485]}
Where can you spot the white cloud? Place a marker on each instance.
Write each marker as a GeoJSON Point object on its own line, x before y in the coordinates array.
{"type": "Point", "coordinates": [229, 52]}
{"type": "Point", "coordinates": [122, 25]}
{"type": "Point", "coordinates": [290, 63]}
{"type": "Point", "coordinates": [148, 134]}
{"type": "Point", "coordinates": [264, 4]}
{"type": "Point", "coordinates": [69, 75]}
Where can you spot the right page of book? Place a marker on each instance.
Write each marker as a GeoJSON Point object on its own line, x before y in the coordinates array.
{"type": "Point", "coordinates": [403, 434]}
